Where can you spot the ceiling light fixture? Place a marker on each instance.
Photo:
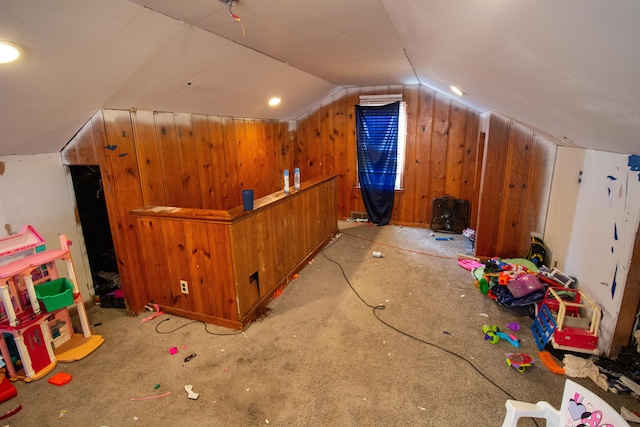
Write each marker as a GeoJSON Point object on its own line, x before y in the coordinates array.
{"type": "Point", "coordinates": [230, 4]}
{"type": "Point", "coordinates": [9, 52]}
{"type": "Point", "coordinates": [274, 101]}
{"type": "Point", "coordinates": [456, 91]}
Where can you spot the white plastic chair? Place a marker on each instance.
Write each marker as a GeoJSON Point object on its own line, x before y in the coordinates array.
{"type": "Point", "coordinates": [580, 406]}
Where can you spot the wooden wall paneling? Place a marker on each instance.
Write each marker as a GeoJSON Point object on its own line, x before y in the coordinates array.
{"type": "Point", "coordinates": [251, 147]}
{"type": "Point", "coordinates": [340, 147]}
{"type": "Point", "coordinates": [282, 234]}
{"type": "Point", "coordinates": [543, 154]}
{"type": "Point", "coordinates": [405, 201]}
{"type": "Point", "coordinates": [329, 141]}
{"type": "Point", "coordinates": [439, 145]}
{"type": "Point", "coordinates": [206, 165]}
{"type": "Point", "coordinates": [244, 155]}
{"type": "Point", "coordinates": [477, 180]}
{"type": "Point", "coordinates": [150, 162]}
{"type": "Point", "coordinates": [309, 215]}
{"type": "Point", "coordinates": [328, 217]}
{"type": "Point", "coordinates": [274, 220]}
{"type": "Point", "coordinates": [351, 195]}
{"type": "Point", "coordinates": [301, 156]}
{"type": "Point", "coordinates": [468, 188]}
{"type": "Point", "coordinates": [292, 138]}
{"type": "Point", "coordinates": [245, 263]}
{"type": "Point", "coordinates": [202, 297]}
{"type": "Point", "coordinates": [492, 185]}
{"type": "Point", "coordinates": [222, 277]}
{"type": "Point", "coordinates": [154, 264]}
{"type": "Point", "coordinates": [189, 163]}
{"type": "Point", "coordinates": [289, 249]}
{"type": "Point", "coordinates": [69, 153]}
{"type": "Point", "coordinates": [279, 154]}
{"type": "Point", "coordinates": [455, 150]}
{"type": "Point", "coordinates": [173, 242]}
{"type": "Point", "coordinates": [219, 253]}
{"type": "Point", "coordinates": [421, 160]}
{"type": "Point", "coordinates": [514, 192]}
{"type": "Point", "coordinates": [120, 175]}
{"type": "Point", "coordinates": [230, 165]}
{"type": "Point", "coordinates": [274, 177]}
{"type": "Point", "coordinates": [262, 159]}
{"type": "Point", "coordinates": [282, 135]}
{"type": "Point", "coordinates": [265, 247]}
{"type": "Point", "coordinates": [171, 167]}
{"type": "Point", "coordinates": [220, 147]}
{"type": "Point", "coordinates": [81, 150]}
{"type": "Point", "coordinates": [315, 144]}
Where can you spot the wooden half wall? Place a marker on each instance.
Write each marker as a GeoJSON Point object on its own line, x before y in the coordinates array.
{"type": "Point", "coordinates": [176, 159]}
{"type": "Point", "coordinates": [232, 261]}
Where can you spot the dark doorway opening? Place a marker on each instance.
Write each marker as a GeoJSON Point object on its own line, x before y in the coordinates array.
{"type": "Point", "coordinates": [92, 210]}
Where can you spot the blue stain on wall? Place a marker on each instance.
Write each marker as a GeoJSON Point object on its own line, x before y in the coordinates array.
{"type": "Point", "coordinates": [613, 284]}
{"type": "Point", "coordinates": [634, 164]}
{"type": "Point", "coordinates": [615, 231]}
{"type": "Point", "coordinates": [612, 178]}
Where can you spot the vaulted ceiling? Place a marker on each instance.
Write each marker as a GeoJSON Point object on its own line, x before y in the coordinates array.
{"type": "Point", "coordinates": [565, 67]}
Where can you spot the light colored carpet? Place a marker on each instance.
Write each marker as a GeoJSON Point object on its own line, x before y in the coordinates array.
{"type": "Point", "coordinates": [323, 356]}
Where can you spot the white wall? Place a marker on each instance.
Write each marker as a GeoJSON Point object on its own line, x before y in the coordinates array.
{"type": "Point", "coordinates": [594, 243]}
{"type": "Point", "coordinates": [35, 190]}
{"type": "Point", "coordinates": [562, 204]}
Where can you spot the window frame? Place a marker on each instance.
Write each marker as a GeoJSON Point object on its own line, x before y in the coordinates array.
{"type": "Point", "coordinates": [377, 100]}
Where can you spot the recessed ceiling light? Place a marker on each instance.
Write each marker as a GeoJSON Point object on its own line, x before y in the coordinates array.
{"type": "Point", "coordinates": [274, 101]}
{"type": "Point", "coordinates": [8, 52]}
{"type": "Point", "coordinates": [456, 91]}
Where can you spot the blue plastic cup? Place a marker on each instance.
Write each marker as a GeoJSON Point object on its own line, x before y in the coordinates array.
{"type": "Point", "coordinates": [247, 199]}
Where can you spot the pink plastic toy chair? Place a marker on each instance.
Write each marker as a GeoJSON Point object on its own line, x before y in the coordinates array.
{"type": "Point", "coordinates": [580, 406]}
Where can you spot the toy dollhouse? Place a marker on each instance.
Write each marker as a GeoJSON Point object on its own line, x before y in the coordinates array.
{"type": "Point", "coordinates": [33, 338]}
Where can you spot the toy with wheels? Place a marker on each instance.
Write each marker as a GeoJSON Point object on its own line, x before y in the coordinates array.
{"type": "Point", "coordinates": [519, 361]}
{"type": "Point", "coordinates": [493, 334]}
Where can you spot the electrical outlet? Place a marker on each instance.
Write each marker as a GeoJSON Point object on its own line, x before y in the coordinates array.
{"type": "Point", "coordinates": [184, 286]}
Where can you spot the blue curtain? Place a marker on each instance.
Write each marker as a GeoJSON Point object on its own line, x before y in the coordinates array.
{"type": "Point", "coordinates": [377, 141]}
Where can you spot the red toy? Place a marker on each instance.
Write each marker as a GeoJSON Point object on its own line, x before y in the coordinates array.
{"type": "Point", "coordinates": [7, 390]}
{"type": "Point", "coordinates": [519, 361]}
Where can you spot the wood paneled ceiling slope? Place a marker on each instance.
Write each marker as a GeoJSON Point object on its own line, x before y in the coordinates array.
{"type": "Point", "coordinates": [568, 68]}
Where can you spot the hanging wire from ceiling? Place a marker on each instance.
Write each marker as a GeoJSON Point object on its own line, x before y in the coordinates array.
{"type": "Point", "coordinates": [230, 4]}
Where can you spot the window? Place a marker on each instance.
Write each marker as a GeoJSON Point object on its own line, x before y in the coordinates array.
{"type": "Point", "coordinates": [375, 100]}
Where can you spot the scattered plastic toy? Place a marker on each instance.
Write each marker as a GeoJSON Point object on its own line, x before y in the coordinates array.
{"type": "Point", "coordinates": [514, 326]}
{"type": "Point", "coordinates": [152, 397]}
{"type": "Point", "coordinates": [153, 316]}
{"type": "Point", "coordinates": [190, 393]}
{"type": "Point", "coordinates": [519, 361]}
{"type": "Point", "coordinates": [493, 334]}
{"type": "Point", "coordinates": [60, 379]}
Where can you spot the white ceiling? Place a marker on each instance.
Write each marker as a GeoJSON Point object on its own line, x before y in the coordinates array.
{"type": "Point", "coordinates": [566, 67]}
